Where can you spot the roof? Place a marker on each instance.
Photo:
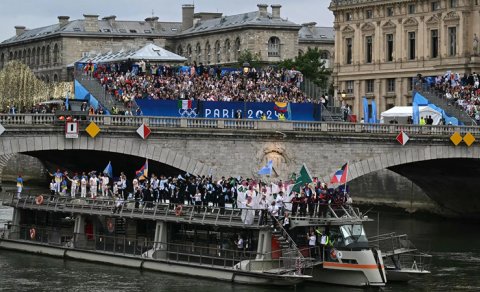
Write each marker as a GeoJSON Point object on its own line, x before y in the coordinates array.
{"type": "Point", "coordinates": [120, 28]}
{"type": "Point", "coordinates": [149, 52]}
{"type": "Point", "coordinates": [316, 33]}
{"type": "Point", "coordinates": [239, 20]}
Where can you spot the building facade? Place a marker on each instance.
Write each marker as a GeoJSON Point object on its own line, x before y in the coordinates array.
{"type": "Point", "coordinates": [208, 38]}
{"type": "Point", "coordinates": [381, 45]}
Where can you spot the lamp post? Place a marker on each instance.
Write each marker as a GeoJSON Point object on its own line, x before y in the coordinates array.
{"type": "Point", "coordinates": [343, 94]}
{"type": "Point", "coordinates": [246, 68]}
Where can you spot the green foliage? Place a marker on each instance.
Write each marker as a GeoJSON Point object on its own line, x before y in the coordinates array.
{"type": "Point", "coordinates": [246, 56]}
{"type": "Point", "coordinates": [311, 66]}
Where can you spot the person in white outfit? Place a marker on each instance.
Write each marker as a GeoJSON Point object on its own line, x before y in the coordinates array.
{"type": "Point", "coordinates": [93, 185]}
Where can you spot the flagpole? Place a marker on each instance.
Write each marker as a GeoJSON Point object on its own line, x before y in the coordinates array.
{"type": "Point", "coordinates": [346, 180]}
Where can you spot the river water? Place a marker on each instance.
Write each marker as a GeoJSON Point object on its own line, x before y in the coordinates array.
{"type": "Point", "coordinates": [455, 246]}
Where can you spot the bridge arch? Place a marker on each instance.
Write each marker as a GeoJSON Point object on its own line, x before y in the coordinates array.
{"type": "Point", "coordinates": [129, 146]}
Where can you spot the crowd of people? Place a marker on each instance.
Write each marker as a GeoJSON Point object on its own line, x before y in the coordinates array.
{"type": "Point", "coordinates": [199, 82]}
{"type": "Point", "coordinates": [461, 91]}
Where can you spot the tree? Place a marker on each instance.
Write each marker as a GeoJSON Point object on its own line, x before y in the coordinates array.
{"type": "Point", "coordinates": [246, 56]}
{"type": "Point", "coordinates": [311, 65]}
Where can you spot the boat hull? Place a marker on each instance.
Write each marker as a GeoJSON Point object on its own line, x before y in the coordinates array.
{"type": "Point", "coordinates": [404, 275]}
{"type": "Point", "coordinates": [172, 267]}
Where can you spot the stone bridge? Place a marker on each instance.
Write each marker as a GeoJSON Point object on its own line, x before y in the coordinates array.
{"type": "Point", "coordinates": [242, 147]}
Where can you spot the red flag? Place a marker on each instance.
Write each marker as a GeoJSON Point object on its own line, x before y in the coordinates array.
{"type": "Point", "coordinates": [403, 138]}
{"type": "Point", "coordinates": [340, 176]}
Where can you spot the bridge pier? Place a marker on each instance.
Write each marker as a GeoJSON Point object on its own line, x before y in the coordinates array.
{"type": "Point", "coordinates": [79, 230]}
{"type": "Point", "coordinates": [160, 237]}
{"type": "Point", "coordinates": [264, 247]}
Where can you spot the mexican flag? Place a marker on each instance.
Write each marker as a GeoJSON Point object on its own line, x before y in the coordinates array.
{"type": "Point", "coordinates": [185, 104]}
{"type": "Point", "coordinates": [303, 178]}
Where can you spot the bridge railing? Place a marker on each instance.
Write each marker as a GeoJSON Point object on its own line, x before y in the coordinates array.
{"type": "Point", "coordinates": [241, 124]}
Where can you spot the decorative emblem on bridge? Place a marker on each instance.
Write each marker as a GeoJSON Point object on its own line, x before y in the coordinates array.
{"type": "Point", "coordinates": [403, 138]}
{"type": "Point", "coordinates": [456, 138]}
{"type": "Point", "coordinates": [144, 131]}
{"type": "Point", "coordinates": [2, 129]}
{"type": "Point", "coordinates": [469, 139]}
{"type": "Point", "coordinates": [92, 130]}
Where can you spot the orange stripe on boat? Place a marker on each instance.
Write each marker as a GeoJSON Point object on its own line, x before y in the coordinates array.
{"type": "Point", "coordinates": [351, 266]}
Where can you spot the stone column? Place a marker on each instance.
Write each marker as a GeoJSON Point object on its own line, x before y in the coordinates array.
{"type": "Point", "coordinates": [264, 247]}
{"type": "Point", "coordinates": [160, 240]}
{"type": "Point", "coordinates": [79, 230]}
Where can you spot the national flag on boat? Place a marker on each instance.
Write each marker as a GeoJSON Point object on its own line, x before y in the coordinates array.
{"type": "Point", "coordinates": [281, 107]}
{"type": "Point", "coordinates": [267, 169]}
{"type": "Point", "coordinates": [144, 131]}
{"type": "Point", "coordinates": [185, 104]}
{"type": "Point", "coordinates": [108, 170]}
{"type": "Point", "coordinates": [340, 176]}
{"type": "Point", "coordinates": [142, 173]}
{"type": "Point", "coordinates": [403, 138]}
{"type": "Point", "coordinates": [303, 178]}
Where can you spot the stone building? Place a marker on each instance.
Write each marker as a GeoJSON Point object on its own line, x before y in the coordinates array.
{"type": "Point", "coordinates": [208, 38]}
{"type": "Point", "coordinates": [380, 45]}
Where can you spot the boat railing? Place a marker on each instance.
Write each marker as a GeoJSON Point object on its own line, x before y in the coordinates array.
{"type": "Point", "coordinates": [391, 243]}
{"type": "Point", "coordinates": [203, 214]}
{"type": "Point", "coordinates": [214, 255]}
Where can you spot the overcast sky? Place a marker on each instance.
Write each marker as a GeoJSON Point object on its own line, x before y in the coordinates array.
{"type": "Point", "coordinates": [37, 13]}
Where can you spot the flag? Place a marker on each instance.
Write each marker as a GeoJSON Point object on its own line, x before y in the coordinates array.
{"type": "Point", "coordinates": [402, 138]}
{"type": "Point", "coordinates": [142, 173]}
{"type": "Point", "coordinates": [108, 170]}
{"type": "Point", "coordinates": [144, 131]}
{"type": "Point", "coordinates": [366, 117]}
{"type": "Point", "coordinates": [281, 107]}
{"type": "Point", "coordinates": [267, 169]}
{"type": "Point", "coordinates": [185, 104]}
{"type": "Point", "coordinates": [303, 178]}
{"type": "Point", "coordinates": [340, 177]}
{"type": "Point", "coordinates": [373, 118]}
{"type": "Point", "coordinates": [416, 114]}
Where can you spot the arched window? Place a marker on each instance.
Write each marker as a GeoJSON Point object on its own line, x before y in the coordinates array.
{"type": "Point", "coordinates": [324, 55]}
{"type": "Point", "coordinates": [274, 47]}
{"type": "Point", "coordinates": [189, 53]}
{"type": "Point", "coordinates": [237, 49]}
{"type": "Point", "coordinates": [24, 56]}
{"type": "Point", "coordinates": [217, 52]}
{"type": "Point", "coordinates": [55, 54]}
{"type": "Point", "coordinates": [198, 51]}
{"type": "Point", "coordinates": [33, 58]}
{"type": "Point", "coordinates": [180, 50]}
{"type": "Point", "coordinates": [2, 60]}
{"type": "Point", "coordinates": [38, 57]}
{"type": "Point", "coordinates": [227, 49]}
{"type": "Point", "coordinates": [15, 56]}
{"type": "Point", "coordinates": [11, 56]}
{"type": "Point", "coordinates": [48, 55]}
{"type": "Point", "coordinates": [208, 53]}
{"type": "Point", "coordinates": [300, 52]}
{"type": "Point", "coordinates": [43, 56]}
{"type": "Point", "coordinates": [29, 56]}
{"type": "Point", "coordinates": [55, 78]}
{"type": "Point", "coordinates": [47, 79]}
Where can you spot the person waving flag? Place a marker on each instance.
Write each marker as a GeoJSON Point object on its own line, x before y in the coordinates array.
{"type": "Point", "coordinates": [142, 173]}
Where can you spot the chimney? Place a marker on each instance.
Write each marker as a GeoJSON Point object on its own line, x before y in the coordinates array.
{"type": "Point", "coordinates": [188, 10]}
{"type": "Point", "coordinates": [91, 22]}
{"type": "Point", "coordinates": [262, 10]}
{"type": "Point", "coordinates": [63, 20]}
{"type": "Point", "coordinates": [310, 25]}
{"type": "Point", "coordinates": [110, 19]}
{"type": "Point", "coordinates": [276, 11]}
{"type": "Point", "coordinates": [153, 21]}
{"type": "Point", "coordinates": [19, 29]}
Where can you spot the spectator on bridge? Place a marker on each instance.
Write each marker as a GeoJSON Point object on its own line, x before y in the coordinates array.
{"type": "Point", "coordinates": [19, 186]}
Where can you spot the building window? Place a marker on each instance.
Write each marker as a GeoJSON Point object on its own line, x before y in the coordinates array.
{"type": "Point", "coordinates": [369, 14]}
{"type": "Point", "coordinates": [48, 56]}
{"type": "Point", "coordinates": [274, 47]}
{"type": "Point", "coordinates": [217, 52]}
{"type": "Point", "coordinates": [227, 50]}
{"type": "Point", "coordinates": [349, 48]}
{"type": "Point", "coordinates": [2, 60]}
{"type": "Point", "coordinates": [389, 11]}
{"type": "Point", "coordinates": [411, 45]}
{"type": "Point", "coordinates": [390, 47]}
{"type": "Point", "coordinates": [369, 86]}
{"type": "Point", "coordinates": [350, 86]}
{"type": "Point", "coordinates": [198, 50]}
{"type": "Point", "coordinates": [55, 54]}
{"type": "Point", "coordinates": [348, 16]}
{"type": "Point", "coordinates": [410, 84]}
{"type": "Point", "coordinates": [391, 85]}
{"type": "Point", "coordinates": [435, 5]}
{"type": "Point", "coordinates": [369, 49]}
{"type": "Point", "coordinates": [180, 50]}
{"type": "Point", "coordinates": [208, 53]}
{"type": "Point", "coordinates": [452, 41]}
{"type": "Point", "coordinates": [434, 43]}
{"type": "Point", "coordinates": [237, 49]}
{"type": "Point", "coordinates": [411, 8]}
{"type": "Point", "coordinates": [453, 3]}
{"type": "Point", "coordinates": [189, 53]}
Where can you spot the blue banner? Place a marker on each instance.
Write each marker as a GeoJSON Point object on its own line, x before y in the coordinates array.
{"type": "Point", "coordinates": [366, 117]}
{"type": "Point", "coordinates": [229, 110]}
{"type": "Point", "coordinates": [373, 119]}
{"type": "Point", "coordinates": [415, 114]}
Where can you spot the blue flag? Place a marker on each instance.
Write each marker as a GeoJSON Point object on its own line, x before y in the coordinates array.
{"type": "Point", "coordinates": [67, 104]}
{"type": "Point", "coordinates": [416, 114]}
{"type": "Point", "coordinates": [373, 119]}
{"type": "Point", "coordinates": [366, 117]}
{"type": "Point", "coordinates": [267, 169]}
{"type": "Point", "coordinates": [108, 170]}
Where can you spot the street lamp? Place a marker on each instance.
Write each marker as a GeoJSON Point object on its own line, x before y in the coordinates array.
{"type": "Point", "coordinates": [344, 95]}
{"type": "Point", "coordinates": [246, 67]}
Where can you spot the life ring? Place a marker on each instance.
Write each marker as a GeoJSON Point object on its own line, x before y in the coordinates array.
{"type": "Point", "coordinates": [33, 233]}
{"type": "Point", "coordinates": [39, 200]}
{"type": "Point", "coordinates": [178, 210]}
{"type": "Point", "coordinates": [339, 255]}
{"type": "Point", "coordinates": [333, 254]}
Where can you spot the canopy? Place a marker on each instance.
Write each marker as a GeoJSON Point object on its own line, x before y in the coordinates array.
{"type": "Point", "coordinates": [149, 52]}
{"type": "Point", "coordinates": [402, 113]}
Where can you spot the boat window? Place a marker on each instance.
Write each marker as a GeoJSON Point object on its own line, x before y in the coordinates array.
{"type": "Point", "coordinates": [353, 236]}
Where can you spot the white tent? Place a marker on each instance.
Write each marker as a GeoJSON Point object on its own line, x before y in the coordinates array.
{"type": "Point", "coordinates": [402, 113]}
